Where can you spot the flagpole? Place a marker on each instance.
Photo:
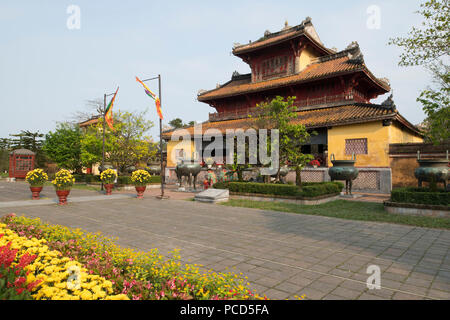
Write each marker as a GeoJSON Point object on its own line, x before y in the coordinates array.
{"type": "Point", "coordinates": [104, 128]}
{"type": "Point", "coordinates": [162, 174]}
{"type": "Point", "coordinates": [103, 146]}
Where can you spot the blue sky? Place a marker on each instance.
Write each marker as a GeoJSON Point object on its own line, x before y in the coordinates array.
{"type": "Point", "coordinates": [47, 72]}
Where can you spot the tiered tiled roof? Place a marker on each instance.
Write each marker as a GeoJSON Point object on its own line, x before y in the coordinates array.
{"type": "Point", "coordinates": [305, 29]}
{"type": "Point", "coordinates": [340, 63]}
{"type": "Point", "coordinates": [320, 117]}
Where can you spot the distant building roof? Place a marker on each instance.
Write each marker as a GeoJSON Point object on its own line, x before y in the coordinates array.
{"type": "Point", "coordinates": [22, 152]}
{"type": "Point", "coordinates": [93, 120]}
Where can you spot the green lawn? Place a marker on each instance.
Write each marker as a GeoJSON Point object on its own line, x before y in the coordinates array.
{"type": "Point", "coordinates": [352, 210]}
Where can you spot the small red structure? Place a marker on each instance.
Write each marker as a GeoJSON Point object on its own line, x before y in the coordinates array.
{"type": "Point", "coordinates": [20, 162]}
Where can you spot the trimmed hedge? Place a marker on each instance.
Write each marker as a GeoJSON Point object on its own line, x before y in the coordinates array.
{"type": "Point", "coordinates": [124, 180]}
{"type": "Point", "coordinates": [309, 189]}
{"type": "Point", "coordinates": [420, 196]}
{"type": "Point", "coordinates": [87, 178]}
{"type": "Point", "coordinates": [121, 180]}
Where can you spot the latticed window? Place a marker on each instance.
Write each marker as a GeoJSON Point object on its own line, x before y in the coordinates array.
{"type": "Point", "coordinates": [356, 146]}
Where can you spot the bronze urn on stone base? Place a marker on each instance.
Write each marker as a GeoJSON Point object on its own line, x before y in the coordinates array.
{"type": "Point", "coordinates": [432, 170]}
{"type": "Point", "coordinates": [344, 170]}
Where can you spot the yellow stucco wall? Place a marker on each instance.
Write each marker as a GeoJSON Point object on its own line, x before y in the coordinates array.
{"type": "Point", "coordinates": [397, 134]}
{"type": "Point", "coordinates": [305, 59]}
{"type": "Point", "coordinates": [377, 143]}
{"type": "Point", "coordinates": [187, 146]}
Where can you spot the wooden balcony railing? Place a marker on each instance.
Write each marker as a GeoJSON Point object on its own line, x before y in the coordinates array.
{"type": "Point", "coordinates": [243, 113]}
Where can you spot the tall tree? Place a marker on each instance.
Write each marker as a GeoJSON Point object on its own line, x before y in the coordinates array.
{"type": "Point", "coordinates": [29, 140]}
{"type": "Point", "coordinates": [91, 147]}
{"type": "Point", "coordinates": [64, 146]}
{"type": "Point", "coordinates": [129, 143]}
{"type": "Point", "coordinates": [176, 123]}
{"type": "Point", "coordinates": [4, 154]}
{"type": "Point", "coordinates": [280, 114]}
{"type": "Point", "coordinates": [429, 46]}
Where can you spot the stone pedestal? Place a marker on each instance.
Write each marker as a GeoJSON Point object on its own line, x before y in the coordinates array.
{"type": "Point", "coordinates": [212, 196]}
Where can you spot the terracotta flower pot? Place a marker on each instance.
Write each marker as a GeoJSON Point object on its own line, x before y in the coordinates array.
{"type": "Point", "coordinates": [140, 191]}
{"type": "Point", "coordinates": [62, 195]}
{"type": "Point", "coordinates": [108, 188]}
{"type": "Point", "coordinates": [35, 191]}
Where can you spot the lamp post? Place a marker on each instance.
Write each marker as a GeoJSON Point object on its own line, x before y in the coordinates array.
{"type": "Point", "coordinates": [162, 174]}
{"type": "Point", "coordinates": [104, 128]}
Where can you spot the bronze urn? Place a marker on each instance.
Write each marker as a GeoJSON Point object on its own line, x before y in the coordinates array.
{"type": "Point", "coordinates": [344, 170]}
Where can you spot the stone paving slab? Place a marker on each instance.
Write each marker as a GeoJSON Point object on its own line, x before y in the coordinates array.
{"type": "Point", "coordinates": [20, 191]}
{"type": "Point", "coordinates": [43, 202]}
{"type": "Point", "coordinates": [284, 255]}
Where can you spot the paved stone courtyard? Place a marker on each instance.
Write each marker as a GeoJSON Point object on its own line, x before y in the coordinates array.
{"type": "Point", "coordinates": [18, 191]}
{"type": "Point", "coordinates": [282, 254]}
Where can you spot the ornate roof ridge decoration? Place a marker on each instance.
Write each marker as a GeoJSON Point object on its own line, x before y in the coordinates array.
{"type": "Point", "coordinates": [389, 103]}
{"type": "Point", "coordinates": [239, 76]}
{"type": "Point", "coordinates": [353, 51]}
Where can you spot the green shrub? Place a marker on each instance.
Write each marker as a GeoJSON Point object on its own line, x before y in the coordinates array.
{"type": "Point", "coordinates": [421, 196]}
{"type": "Point", "coordinates": [125, 180]}
{"type": "Point", "coordinates": [92, 178]}
{"type": "Point", "coordinates": [86, 178]}
{"type": "Point", "coordinates": [79, 177]}
{"type": "Point", "coordinates": [155, 179]}
{"type": "Point", "coordinates": [309, 190]}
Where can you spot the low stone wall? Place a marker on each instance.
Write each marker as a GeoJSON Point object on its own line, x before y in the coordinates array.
{"type": "Point", "coordinates": [263, 197]}
{"type": "Point", "coordinates": [417, 209]}
{"type": "Point", "coordinates": [403, 160]}
{"type": "Point", "coordinates": [370, 180]}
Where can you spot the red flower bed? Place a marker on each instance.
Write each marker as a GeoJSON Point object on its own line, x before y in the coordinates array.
{"type": "Point", "coordinates": [13, 278]}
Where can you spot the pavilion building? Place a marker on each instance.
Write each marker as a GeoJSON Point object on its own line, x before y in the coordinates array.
{"type": "Point", "coordinates": [333, 91]}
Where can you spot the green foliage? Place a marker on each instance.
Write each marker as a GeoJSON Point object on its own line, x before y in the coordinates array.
{"type": "Point", "coordinates": [436, 106]}
{"type": "Point", "coordinates": [128, 144]}
{"type": "Point", "coordinates": [64, 146]}
{"type": "Point", "coordinates": [308, 190]}
{"type": "Point", "coordinates": [429, 46]}
{"type": "Point", "coordinates": [126, 180]}
{"type": "Point", "coordinates": [9, 292]}
{"type": "Point", "coordinates": [431, 41]}
{"type": "Point", "coordinates": [177, 123]}
{"type": "Point", "coordinates": [86, 178]}
{"type": "Point", "coordinates": [420, 196]}
{"type": "Point", "coordinates": [280, 114]}
{"type": "Point", "coordinates": [91, 147]}
{"type": "Point", "coordinates": [344, 209]}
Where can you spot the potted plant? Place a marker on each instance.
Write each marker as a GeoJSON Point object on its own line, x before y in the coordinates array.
{"type": "Point", "coordinates": [140, 179]}
{"type": "Point", "coordinates": [63, 183]}
{"type": "Point", "coordinates": [315, 163]}
{"type": "Point", "coordinates": [36, 178]}
{"type": "Point", "coordinates": [108, 177]}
